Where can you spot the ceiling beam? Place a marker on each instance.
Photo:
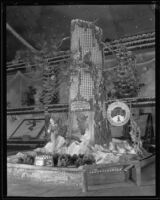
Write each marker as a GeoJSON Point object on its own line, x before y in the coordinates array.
{"type": "Point", "coordinates": [21, 39]}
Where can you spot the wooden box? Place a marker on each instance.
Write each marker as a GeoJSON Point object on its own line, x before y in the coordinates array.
{"type": "Point", "coordinates": [88, 175]}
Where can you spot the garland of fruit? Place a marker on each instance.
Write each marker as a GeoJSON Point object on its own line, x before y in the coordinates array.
{"type": "Point", "coordinates": [135, 134]}
{"type": "Point", "coordinates": [126, 83]}
{"type": "Point", "coordinates": [49, 85]}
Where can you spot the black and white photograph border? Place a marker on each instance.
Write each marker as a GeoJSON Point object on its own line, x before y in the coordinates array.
{"type": "Point", "coordinates": [71, 69]}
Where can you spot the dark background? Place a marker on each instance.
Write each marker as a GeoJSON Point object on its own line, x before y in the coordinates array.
{"type": "Point", "coordinates": [36, 23]}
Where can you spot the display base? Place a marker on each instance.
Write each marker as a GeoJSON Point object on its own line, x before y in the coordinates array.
{"type": "Point", "coordinates": [148, 160]}
{"type": "Point", "coordinates": [89, 175]}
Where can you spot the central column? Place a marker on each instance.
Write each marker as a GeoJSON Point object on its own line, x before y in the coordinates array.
{"type": "Point", "coordinates": [86, 94]}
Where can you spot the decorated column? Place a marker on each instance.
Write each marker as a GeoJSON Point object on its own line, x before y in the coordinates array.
{"type": "Point", "coordinates": [87, 92]}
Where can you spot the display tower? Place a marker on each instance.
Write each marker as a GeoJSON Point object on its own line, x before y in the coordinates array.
{"type": "Point", "coordinates": [86, 94]}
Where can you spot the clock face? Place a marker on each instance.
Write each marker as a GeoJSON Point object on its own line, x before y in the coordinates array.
{"type": "Point", "coordinates": [118, 113]}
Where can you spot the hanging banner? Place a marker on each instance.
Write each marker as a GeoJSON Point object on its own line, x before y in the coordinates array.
{"type": "Point", "coordinates": [80, 105]}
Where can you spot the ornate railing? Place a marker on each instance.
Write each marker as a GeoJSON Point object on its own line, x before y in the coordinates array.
{"type": "Point", "coordinates": [35, 110]}
{"type": "Point", "coordinates": [134, 102]}
{"type": "Point", "coordinates": [146, 40]}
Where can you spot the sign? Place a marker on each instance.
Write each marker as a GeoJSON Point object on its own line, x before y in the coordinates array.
{"type": "Point", "coordinates": [118, 113]}
{"type": "Point", "coordinates": [28, 129]}
{"type": "Point", "coordinates": [44, 160]}
{"type": "Point", "coordinates": [80, 105]}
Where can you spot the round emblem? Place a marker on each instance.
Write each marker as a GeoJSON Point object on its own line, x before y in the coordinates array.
{"type": "Point", "coordinates": [118, 113]}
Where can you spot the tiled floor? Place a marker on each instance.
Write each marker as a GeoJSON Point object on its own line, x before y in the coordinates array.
{"type": "Point", "coordinates": [28, 188]}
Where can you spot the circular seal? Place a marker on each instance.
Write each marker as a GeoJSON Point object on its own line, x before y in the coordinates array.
{"type": "Point", "coordinates": [118, 113]}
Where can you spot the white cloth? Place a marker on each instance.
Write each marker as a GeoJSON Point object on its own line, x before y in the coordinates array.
{"type": "Point", "coordinates": [86, 137]}
{"type": "Point", "coordinates": [73, 148]}
{"type": "Point", "coordinates": [105, 158]}
{"type": "Point", "coordinates": [51, 147]}
{"type": "Point", "coordinates": [82, 147]}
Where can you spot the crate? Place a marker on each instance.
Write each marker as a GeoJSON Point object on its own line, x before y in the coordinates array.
{"type": "Point", "coordinates": [88, 175]}
{"type": "Point", "coordinates": [111, 173]}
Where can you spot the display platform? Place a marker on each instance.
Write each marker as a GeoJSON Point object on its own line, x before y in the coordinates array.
{"type": "Point", "coordinates": [88, 175]}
